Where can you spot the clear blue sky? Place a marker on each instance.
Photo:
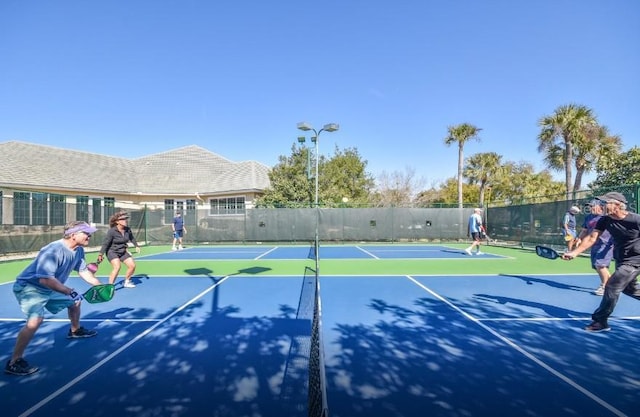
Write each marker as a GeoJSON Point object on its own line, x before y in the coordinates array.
{"type": "Point", "coordinates": [133, 78]}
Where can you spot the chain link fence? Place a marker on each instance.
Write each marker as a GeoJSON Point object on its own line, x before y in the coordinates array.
{"type": "Point", "coordinates": [532, 223]}
{"type": "Point", "coordinates": [526, 223]}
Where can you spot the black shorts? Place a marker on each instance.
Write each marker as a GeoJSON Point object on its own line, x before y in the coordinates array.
{"type": "Point", "coordinates": [113, 255]}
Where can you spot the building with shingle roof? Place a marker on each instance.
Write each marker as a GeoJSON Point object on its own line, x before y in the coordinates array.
{"type": "Point", "coordinates": [175, 179]}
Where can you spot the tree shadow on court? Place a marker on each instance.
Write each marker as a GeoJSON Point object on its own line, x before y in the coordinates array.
{"type": "Point", "coordinates": [518, 303]}
{"type": "Point", "coordinates": [205, 359]}
{"type": "Point", "coordinates": [550, 282]}
{"type": "Point", "coordinates": [431, 360]}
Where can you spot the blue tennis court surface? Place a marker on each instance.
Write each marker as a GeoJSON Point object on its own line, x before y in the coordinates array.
{"type": "Point", "coordinates": [327, 252]}
{"type": "Point", "coordinates": [201, 345]}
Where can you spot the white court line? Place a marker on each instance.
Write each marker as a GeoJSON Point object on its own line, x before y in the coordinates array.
{"type": "Point", "coordinates": [399, 249]}
{"type": "Point", "coordinates": [586, 318]}
{"type": "Point", "coordinates": [266, 253]}
{"type": "Point", "coordinates": [9, 319]}
{"type": "Point", "coordinates": [232, 251]}
{"type": "Point", "coordinates": [115, 353]}
{"type": "Point", "coordinates": [367, 252]}
{"type": "Point", "coordinates": [524, 352]}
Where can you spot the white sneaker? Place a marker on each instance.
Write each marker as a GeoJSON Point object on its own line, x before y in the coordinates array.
{"type": "Point", "coordinates": [180, 247]}
{"type": "Point", "coordinates": [479, 253]}
{"type": "Point", "coordinates": [468, 252]}
{"type": "Point", "coordinates": [599, 291]}
{"type": "Point", "coordinates": [128, 284]}
{"type": "Point", "coordinates": [174, 248]}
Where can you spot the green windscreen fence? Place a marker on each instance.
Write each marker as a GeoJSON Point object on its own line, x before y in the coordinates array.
{"type": "Point", "coordinates": [541, 223]}
{"type": "Point", "coordinates": [523, 223]}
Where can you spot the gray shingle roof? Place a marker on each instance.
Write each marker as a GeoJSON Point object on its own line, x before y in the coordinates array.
{"type": "Point", "coordinates": [180, 171]}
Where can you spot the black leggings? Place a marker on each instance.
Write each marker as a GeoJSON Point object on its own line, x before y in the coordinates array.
{"type": "Point", "coordinates": [623, 280]}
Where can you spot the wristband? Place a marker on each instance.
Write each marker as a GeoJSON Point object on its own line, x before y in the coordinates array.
{"type": "Point", "coordinates": [75, 296]}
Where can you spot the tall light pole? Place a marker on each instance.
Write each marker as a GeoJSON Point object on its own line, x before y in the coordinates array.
{"type": "Point", "coordinates": [329, 127]}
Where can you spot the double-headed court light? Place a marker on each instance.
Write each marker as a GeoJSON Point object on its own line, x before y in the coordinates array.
{"type": "Point", "coordinates": [329, 127]}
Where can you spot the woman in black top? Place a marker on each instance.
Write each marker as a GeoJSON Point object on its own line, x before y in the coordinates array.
{"type": "Point", "coordinates": [115, 245]}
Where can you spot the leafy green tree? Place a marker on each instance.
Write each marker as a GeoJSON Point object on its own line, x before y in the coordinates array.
{"type": "Point", "coordinates": [293, 184]}
{"type": "Point", "coordinates": [290, 183]}
{"type": "Point", "coordinates": [560, 133]}
{"type": "Point", "coordinates": [519, 182]}
{"type": "Point", "coordinates": [344, 179]}
{"type": "Point", "coordinates": [483, 169]}
{"type": "Point", "coordinates": [446, 194]}
{"type": "Point", "coordinates": [461, 134]}
{"type": "Point", "coordinates": [618, 170]}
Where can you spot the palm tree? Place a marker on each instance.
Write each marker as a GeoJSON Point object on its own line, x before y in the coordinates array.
{"type": "Point", "coordinates": [560, 133]}
{"type": "Point", "coordinates": [482, 169]}
{"type": "Point", "coordinates": [461, 134]}
{"type": "Point", "coordinates": [594, 144]}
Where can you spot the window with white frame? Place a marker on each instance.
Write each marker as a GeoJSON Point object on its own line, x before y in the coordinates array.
{"type": "Point", "coordinates": [228, 205]}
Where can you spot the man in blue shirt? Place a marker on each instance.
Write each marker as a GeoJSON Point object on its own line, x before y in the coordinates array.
{"type": "Point", "coordinates": [475, 230]}
{"type": "Point", "coordinates": [41, 286]}
{"type": "Point", "coordinates": [178, 230]}
{"type": "Point", "coordinates": [569, 227]}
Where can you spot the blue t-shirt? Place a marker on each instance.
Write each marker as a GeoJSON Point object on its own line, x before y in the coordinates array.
{"type": "Point", "coordinates": [475, 221]}
{"type": "Point", "coordinates": [569, 221]}
{"type": "Point", "coordinates": [178, 223]}
{"type": "Point", "coordinates": [55, 260]}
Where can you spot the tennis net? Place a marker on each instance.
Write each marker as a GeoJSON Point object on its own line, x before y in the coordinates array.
{"type": "Point", "coordinates": [318, 406]}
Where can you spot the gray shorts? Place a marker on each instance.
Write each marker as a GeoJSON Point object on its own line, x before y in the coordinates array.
{"type": "Point", "coordinates": [34, 300]}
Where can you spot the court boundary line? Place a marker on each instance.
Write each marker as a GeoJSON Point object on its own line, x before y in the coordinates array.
{"type": "Point", "coordinates": [497, 319]}
{"type": "Point", "coordinates": [265, 253]}
{"type": "Point", "coordinates": [523, 351]}
{"type": "Point", "coordinates": [366, 252]}
{"type": "Point", "coordinates": [116, 352]}
{"type": "Point", "coordinates": [53, 320]}
{"type": "Point", "coordinates": [586, 318]}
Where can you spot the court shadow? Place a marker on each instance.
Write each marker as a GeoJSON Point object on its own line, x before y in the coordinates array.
{"type": "Point", "coordinates": [530, 280]}
{"type": "Point", "coordinates": [456, 251]}
{"type": "Point", "coordinates": [199, 271]}
{"type": "Point", "coordinates": [427, 359]}
{"type": "Point", "coordinates": [246, 271]}
{"type": "Point", "coordinates": [253, 270]}
{"type": "Point", "coordinates": [551, 310]}
{"type": "Point", "coordinates": [137, 279]}
{"type": "Point", "coordinates": [107, 315]}
{"type": "Point", "coordinates": [198, 362]}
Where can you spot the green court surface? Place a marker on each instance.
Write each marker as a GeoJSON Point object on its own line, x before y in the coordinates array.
{"type": "Point", "coordinates": [512, 261]}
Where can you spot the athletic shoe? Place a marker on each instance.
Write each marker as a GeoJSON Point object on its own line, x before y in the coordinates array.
{"type": "Point", "coordinates": [596, 326]}
{"type": "Point", "coordinates": [180, 247]}
{"type": "Point", "coordinates": [468, 252]}
{"type": "Point", "coordinates": [599, 290]}
{"type": "Point", "coordinates": [128, 284]}
{"type": "Point", "coordinates": [19, 367]}
{"type": "Point", "coordinates": [479, 253]}
{"type": "Point", "coordinates": [174, 248]}
{"type": "Point", "coordinates": [81, 333]}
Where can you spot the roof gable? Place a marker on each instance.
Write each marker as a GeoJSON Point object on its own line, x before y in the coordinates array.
{"type": "Point", "coordinates": [180, 171]}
